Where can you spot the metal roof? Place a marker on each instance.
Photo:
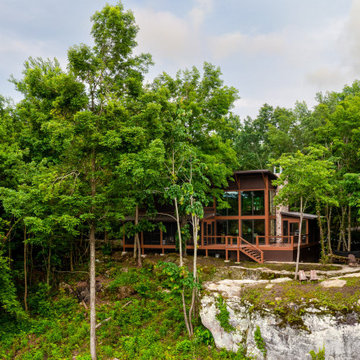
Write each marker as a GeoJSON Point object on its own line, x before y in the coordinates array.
{"type": "Point", "coordinates": [252, 172]}
{"type": "Point", "coordinates": [297, 215]}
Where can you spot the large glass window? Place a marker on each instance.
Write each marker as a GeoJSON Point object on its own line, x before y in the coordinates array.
{"type": "Point", "coordinates": [152, 237]}
{"type": "Point", "coordinates": [232, 198]}
{"type": "Point", "coordinates": [252, 228]}
{"type": "Point", "coordinates": [252, 203]}
{"type": "Point", "coordinates": [170, 233]}
{"type": "Point", "coordinates": [227, 227]}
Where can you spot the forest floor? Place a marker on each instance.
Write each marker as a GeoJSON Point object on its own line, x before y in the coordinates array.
{"type": "Point", "coordinates": [138, 316]}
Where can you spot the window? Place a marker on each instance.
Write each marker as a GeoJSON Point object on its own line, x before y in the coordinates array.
{"type": "Point", "coordinates": [152, 237]}
{"type": "Point", "coordinates": [232, 198]}
{"type": "Point", "coordinates": [252, 228]}
{"type": "Point", "coordinates": [170, 233]}
{"type": "Point", "coordinates": [252, 203]}
{"type": "Point", "coordinates": [227, 227]}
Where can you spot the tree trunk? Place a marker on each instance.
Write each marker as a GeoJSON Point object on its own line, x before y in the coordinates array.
{"type": "Point", "coordinates": [92, 265]}
{"type": "Point", "coordinates": [328, 220]}
{"type": "Point", "coordinates": [349, 229]}
{"type": "Point", "coordinates": [195, 223]}
{"type": "Point", "coordinates": [92, 294]}
{"type": "Point", "coordinates": [183, 222]}
{"type": "Point", "coordinates": [342, 240]}
{"type": "Point", "coordinates": [137, 239]}
{"type": "Point", "coordinates": [299, 240]}
{"type": "Point", "coordinates": [322, 240]}
{"type": "Point", "coordinates": [179, 232]}
{"type": "Point", "coordinates": [25, 270]}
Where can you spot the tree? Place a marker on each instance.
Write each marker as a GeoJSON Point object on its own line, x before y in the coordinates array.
{"type": "Point", "coordinates": [305, 178]}
{"type": "Point", "coordinates": [196, 113]}
{"type": "Point", "coordinates": [111, 76]}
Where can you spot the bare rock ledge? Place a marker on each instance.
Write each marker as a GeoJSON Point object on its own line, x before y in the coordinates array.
{"type": "Point", "coordinates": [341, 339]}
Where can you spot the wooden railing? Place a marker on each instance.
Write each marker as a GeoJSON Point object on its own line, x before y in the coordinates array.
{"type": "Point", "coordinates": [228, 242]}
{"type": "Point", "coordinates": [281, 241]}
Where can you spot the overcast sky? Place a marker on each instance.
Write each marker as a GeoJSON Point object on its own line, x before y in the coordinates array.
{"type": "Point", "coordinates": [272, 51]}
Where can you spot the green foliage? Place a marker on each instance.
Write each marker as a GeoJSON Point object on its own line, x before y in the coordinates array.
{"type": "Point", "coordinates": [176, 278]}
{"type": "Point", "coordinates": [223, 315]}
{"type": "Point", "coordinates": [259, 341]}
{"type": "Point", "coordinates": [320, 355]}
{"type": "Point", "coordinates": [142, 325]}
{"type": "Point", "coordinates": [8, 299]}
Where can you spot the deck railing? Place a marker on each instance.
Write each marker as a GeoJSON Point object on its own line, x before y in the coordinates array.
{"type": "Point", "coordinates": [281, 241]}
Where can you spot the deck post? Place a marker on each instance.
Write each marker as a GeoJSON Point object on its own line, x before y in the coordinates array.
{"type": "Point", "coordinates": [202, 224]}
{"type": "Point", "coordinates": [161, 242]}
{"type": "Point", "coordinates": [238, 256]}
{"type": "Point", "coordinates": [226, 254]}
{"type": "Point", "coordinates": [206, 253]}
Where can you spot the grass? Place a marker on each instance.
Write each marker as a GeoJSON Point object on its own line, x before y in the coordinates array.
{"type": "Point", "coordinates": [291, 300]}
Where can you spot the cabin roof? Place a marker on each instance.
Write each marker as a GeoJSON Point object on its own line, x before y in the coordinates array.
{"type": "Point", "coordinates": [297, 215]}
{"type": "Point", "coordinates": [254, 172]}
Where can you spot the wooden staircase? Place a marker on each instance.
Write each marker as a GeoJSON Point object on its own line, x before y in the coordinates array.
{"type": "Point", "coordinates": [251, 250]}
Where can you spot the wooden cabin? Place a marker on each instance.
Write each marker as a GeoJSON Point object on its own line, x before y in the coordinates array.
{"type": "Point", "coordinates": [250, 228]}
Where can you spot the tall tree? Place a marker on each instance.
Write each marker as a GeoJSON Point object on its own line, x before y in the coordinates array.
{"type": "Point", "coordinates": [305, 178]}
{"type": "Point", "coordinates": [112, 76]}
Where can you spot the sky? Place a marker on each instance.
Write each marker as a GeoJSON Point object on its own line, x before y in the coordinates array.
{"type": "Point", "coordinates": [273, 51]}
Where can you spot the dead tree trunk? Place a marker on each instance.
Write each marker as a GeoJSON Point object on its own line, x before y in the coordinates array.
{"type": "Point", "coordinates": [92, 265]}
{"type": "Point", "coordinates": [302, 206]}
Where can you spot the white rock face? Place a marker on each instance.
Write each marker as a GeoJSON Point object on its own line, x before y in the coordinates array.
{"type": "Point", "coordinates": [340, 339]}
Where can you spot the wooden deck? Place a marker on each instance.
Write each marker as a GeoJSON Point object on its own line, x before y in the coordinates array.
{"type": "Point", "coordinates": [233, 243]}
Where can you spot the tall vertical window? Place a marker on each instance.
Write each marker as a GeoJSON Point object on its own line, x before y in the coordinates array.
{"type": "Point", "coordinates": [252, 203]}
{"type": "Point", "coordinates": [227, 227]}
{"type": "Point", "coordinates": [232, 199]}
{"type": "Point", "coordinates": [250, 229]}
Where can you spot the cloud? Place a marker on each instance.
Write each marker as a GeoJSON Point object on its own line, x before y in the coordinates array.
{"type": "Point", "coordinates": [226, 45]}
{"type": "Point", "coordinates": [171, 37]}
{"type": "Point", "coordinates": [165, 35]}
{"type": "Point", "coordinates": [351, 38]}
{"type": "Point", "coordinates": [326, 77]}
{"type": "Point", "coordinates": [199, 11]}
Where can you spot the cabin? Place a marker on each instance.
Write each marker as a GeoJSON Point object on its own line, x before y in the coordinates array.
{"type": "Point", "coordinates": [252, 227]}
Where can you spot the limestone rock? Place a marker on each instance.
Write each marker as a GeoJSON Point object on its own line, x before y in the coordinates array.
{"type": "Point", "coordinates": [333, 283]}
{"type": "Point", "coordinates": [339, 336]}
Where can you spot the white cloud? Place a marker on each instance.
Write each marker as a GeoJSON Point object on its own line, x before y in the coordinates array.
{"type": "Point", "coordinates": [327, 77]}
{"type": "Point", "coordinates": [226, 45]}
{"type": "Point", "coordinates": [350, 38]}
{"type": "Point", "coordinates": [200, 10]}
{"type": "Point", "coordinates": [166, 36]}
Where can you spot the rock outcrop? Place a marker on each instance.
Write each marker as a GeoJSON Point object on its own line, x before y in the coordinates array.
{"type": "Point", "coordinates": [338, 334]}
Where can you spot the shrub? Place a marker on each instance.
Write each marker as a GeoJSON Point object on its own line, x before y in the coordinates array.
{"type": "Point", "coordinates": [223, 316]}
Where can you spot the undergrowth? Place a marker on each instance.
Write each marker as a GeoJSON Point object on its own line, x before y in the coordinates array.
{"type": "Point", "coordinates": [146, 323]}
